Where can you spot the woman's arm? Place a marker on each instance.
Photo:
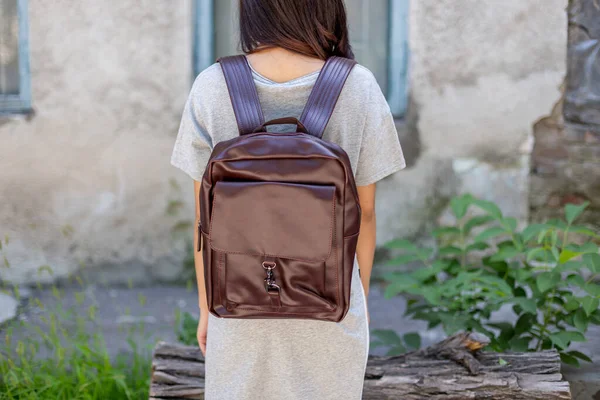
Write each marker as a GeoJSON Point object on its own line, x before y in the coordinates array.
{"type": "Point", "coordinates": [365, 249]}
{"type": "Point", "coordinates": [199, 264]}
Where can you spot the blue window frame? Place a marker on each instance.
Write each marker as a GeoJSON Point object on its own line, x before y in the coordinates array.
{"type": "Point", "coordinates": [383, 47]}
{"type": "Point", "coordinates": [15, 92]}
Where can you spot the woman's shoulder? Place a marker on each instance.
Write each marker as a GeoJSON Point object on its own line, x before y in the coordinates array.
{"type": "Point", "coordinates": [361, 90]}
{"type": "Point", "coordinates": [361, 78]}
{"type": "Point", "coordinates": [209, 83]}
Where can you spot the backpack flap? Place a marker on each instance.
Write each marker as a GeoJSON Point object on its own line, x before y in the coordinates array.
{"type": "Point", "coordinates": [271, 219]}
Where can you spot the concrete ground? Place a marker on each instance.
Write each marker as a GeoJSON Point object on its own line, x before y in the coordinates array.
{"type": "Point", "coordinates": [149, 314]}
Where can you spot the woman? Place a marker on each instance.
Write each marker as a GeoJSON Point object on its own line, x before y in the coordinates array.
{"type": "Point", "coordinates": [287, 42]}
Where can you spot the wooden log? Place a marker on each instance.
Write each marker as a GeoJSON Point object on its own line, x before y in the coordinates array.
{"type": "Point", "coordinates": [454, 369]}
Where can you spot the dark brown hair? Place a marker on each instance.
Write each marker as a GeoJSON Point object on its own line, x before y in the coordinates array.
{"type": "Point", "coordinates": [316, 28]}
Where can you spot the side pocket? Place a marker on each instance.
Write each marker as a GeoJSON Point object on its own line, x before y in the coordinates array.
{"type": "Point", "coordinates": [350, 243]}
{"type": "Point", "coordinates": [199, 236]}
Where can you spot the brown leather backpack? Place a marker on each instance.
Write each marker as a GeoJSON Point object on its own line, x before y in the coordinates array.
{"type": "Point", "coordinates": [279, 211]}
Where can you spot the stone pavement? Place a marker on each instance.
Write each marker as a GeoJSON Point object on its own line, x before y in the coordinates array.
{"type": "Point", "coordinates": [120, 309]}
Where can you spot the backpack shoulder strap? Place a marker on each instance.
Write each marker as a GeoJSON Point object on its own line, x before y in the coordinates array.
{"type": "Point", "coordinates": [325, 94]}
{"type": "Point", "coordinates": [242, 92]}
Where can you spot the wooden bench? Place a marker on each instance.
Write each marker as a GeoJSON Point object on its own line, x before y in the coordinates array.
{"type": "Point", "coordinates": [455, 368]}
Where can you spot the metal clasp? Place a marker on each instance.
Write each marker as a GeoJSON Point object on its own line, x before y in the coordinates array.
{"type": "Point", "coordinates": [270, 285]}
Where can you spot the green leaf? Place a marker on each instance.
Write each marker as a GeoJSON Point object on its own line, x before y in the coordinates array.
{"type": "Point", "coordinates": [579, 355]}
{"type": "Point", "coordinates": [554, 251]}
{"type": "Point", "coordinates": [396, 350]}
{"type": "Point", "coordinates": [521, 274]}
{"type": "Point", "coordinates": [590, 304]}
{"type": "Point", "coordinates": [425, 253]}
{"type": "Point", "coordinates": [588, 247]}
{"type": "Point", "coordinates": [568, 359]}
{"type": "Point", "coordinates": [532, 231]}
{"type": "Point", "coordinates": [449, 251]}
{"type": "Point", "coordinates": [387, 337]}
{"type": "Point", "coordinates": [572, 304]}
{"type": "Point", "coordinates": [510, 223]}
{"type": "Point", "coordinates": [583, 230]}
{"type": "Point", "coordinates": [528, 305]}
{"type": "Point", "coordinates": [562, 339]}
{"type": "Point", "coordinates": [498, 283]}
{"type": "Point", "coordinates": [581, 320]}
{"type": "Point", "coordinates": [592, 261]}
{"type": "Point", "coordinates": [477, 246]}
{"type": "Point", "coordinates": [453, 323]}
{"type": "Point", "coordinates": [399, 284]}
{"type": "Point", "coordinates": [520, 344]}
{"type": "Point", "coordinates": [422, 274]}
{"type": "Point", "coordinates": [459, 205]}
{"type": "Point", "coordinates": [401, 244]}
{"type": "Point", "coordinates": [503, 326]}
{"type": "Point", "coordinates": [403, 259]}
{"type": "Point", "coordinates": [592, 288]}
{"type": "Point", "coordinates": [524, 323]}
{"type": "Point", "coordinates": [412, 340]}
{"type": "Point", "coordinates": [432, 296]}
{"type": "Point", "coordinates": [569, 266]}
{"type": "Point", "coordinates": [489, 207]}
{"type": "Point", "coordinates": [505, 253]}
{"type": "Point", "coordinates": [572, 211]}
{"type": "Point", "coordinates": [490, 233]}
{"type": "Point", "coordinates": [576, 280]}
{"type": "Point", "coordinates": [566, 255]}
{"type": "Point", "coordinates": [446, 230]}
{"type": "Point", "coordinates": [547, 280]}
{"type": "Point", "coordinates": [476, 221]}
{"type": "Point", "coordinates": [538, 254]}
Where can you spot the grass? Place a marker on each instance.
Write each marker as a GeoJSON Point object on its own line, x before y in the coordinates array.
{"type": "Point", "coordinates": [61, 359]}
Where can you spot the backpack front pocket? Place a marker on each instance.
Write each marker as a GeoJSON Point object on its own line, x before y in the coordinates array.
{"type": "Point", "coordinates": [278, 234]}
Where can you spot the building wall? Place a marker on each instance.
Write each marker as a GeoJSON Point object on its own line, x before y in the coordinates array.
{"type": "Point", "coordinates": [86, 181]}
{"type": "Point", "coordinates": [482, 73]}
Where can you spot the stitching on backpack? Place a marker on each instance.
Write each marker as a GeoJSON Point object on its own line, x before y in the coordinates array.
{"type": "Point", "coordinates": [219, 266]}
{"type": "Point", "coordinates": [349, 236]}
{"type": "Point", "coordinates": [331, 237]}
{"type": "Point", "coordinates": [337, 273]}
{"type": "Point", "coordinates": [295, 311]}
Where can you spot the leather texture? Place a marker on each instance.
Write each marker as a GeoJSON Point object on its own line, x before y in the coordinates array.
{"type": "Point", "coordinates": [283, 121]}
{"type": "Point", "coordinates": [280, 219]}
{"type": "Point", "coordinates": [324, 96]}
{"type": "Point", "coordinates": [243, 94]}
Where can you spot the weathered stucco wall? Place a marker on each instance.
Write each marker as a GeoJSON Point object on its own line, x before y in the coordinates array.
{"type": "Point", "coordinates": [482, 73]}
{"type": "Point", "coordinates": [86, 179]}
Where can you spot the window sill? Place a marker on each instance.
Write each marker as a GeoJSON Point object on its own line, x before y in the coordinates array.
{"type": "Point", "coordinates": [26, 114]}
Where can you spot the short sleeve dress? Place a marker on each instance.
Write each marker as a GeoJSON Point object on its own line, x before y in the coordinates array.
{"type": "Point", "coordinates": [291, 359]}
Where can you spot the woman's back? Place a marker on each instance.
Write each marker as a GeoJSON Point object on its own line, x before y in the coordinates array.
{"type": "Point", "coordinates": [361, 122]}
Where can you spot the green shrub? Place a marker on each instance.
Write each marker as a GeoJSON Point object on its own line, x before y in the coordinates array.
{"type": "Point", "coordinates": [186, 327]}
{"type": "Point", "coordinates": [546, 272]}
{"type": "Point", "coordinates": [59, 359]}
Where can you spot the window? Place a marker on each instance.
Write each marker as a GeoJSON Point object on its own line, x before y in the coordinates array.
{"type": "Point", "coordinates": [378, 32]}
{"type": "Point", "coordinates": [14, 57]}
